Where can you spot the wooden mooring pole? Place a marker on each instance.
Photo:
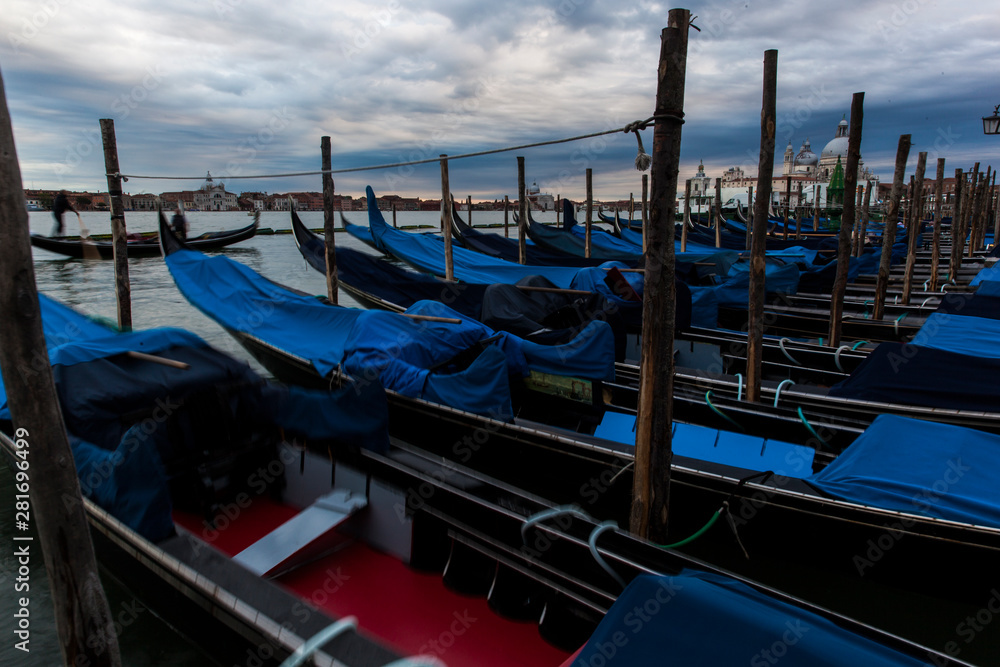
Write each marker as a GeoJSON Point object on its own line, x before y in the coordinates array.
{"type": "Point", "coordinates": [687, 216]}
{"type": "Point", "coordinates": [800, 212]}
{"type": "Point", "coordinates": [559, 207]}
{"type": "Point", "coordinates": [328, 219]}
{"type": "Point", "coordinates": [522, 204]}
{"type": "Point", "coordinates": [45, 471]}
{"type": "Point", "coordinates": [967, 212]}
{"type": "Point", "coordinates": [506, 217]}
{"type": "Point", "coordinates": [749, 217]}
{"type": "Point", "coordinates": [119, 235]}
{"type": "Point", "coordinates": [936, 238]}
{"type": "Point", "coordinates": [758, 244]}
{"type": "Point", "coordinates": [955, 257]}
{"type": "Point", "coordinates": [468, 206]}
{"type": "Point", "coordinates": [394, 225]}
{"type": "Point", "coordinates": [865, 216]}
{"type": "Point", "coordinates": [846, 236]}
{"type": "Point", "coordinates": [645, 208]}
{"type": "Point", "coordinates": [718, 213]}
{"type": "Point", "coordinates": [653, 455]}
{"type": "Point", "coordinates": [446, 216]}
{"type": "Point", "coordinates": [889, 231]}
{"type": "Point", "coordinates": [590, 212]}
{"type": "Point", "coordinates": [788, 203]}
{"type": "Point", "coordinates": [916, 215]}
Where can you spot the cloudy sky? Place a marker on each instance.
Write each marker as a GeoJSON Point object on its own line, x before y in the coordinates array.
{"type": "Point", "coordinates": [243, 87]}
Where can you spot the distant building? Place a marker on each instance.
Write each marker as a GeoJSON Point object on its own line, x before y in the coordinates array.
{"type": "Point", "coordinates": [212, 197]}
{"type": "Point", "coordinates": [542, 201]}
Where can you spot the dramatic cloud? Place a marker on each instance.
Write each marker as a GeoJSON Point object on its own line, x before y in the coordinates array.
{"type": "Point", "coordinates": [243, 87]}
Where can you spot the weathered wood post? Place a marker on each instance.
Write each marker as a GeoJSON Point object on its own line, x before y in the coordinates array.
{"type": "Point", "coordinates": [936, 238]}
{"type": "Point", "coordinates": [631, 208]}
{"type": "Point", "coordinates": [980, 214]}
{"type": "Point", "coordinates": [653, 455]}
{"type": "Point", "coordinates": [468, 206]}
{"type": "Point", "coordinates": [522, 204]}
{"type": "Point", "coordinates": [506, 217]}
{"type": "Point", "coordinates": [119, 235]}
{"type": "Point", "coordinates": [446, 216]}
{"type": "Point", "coordinates": [856, 223]}
{"type": "Point", "coordinates": [645, 208]}
{"type": "Point", "coordinates": [955, 257]}
{"type": "Point", "coordinates": [889, 231]}
{"type": "Point", "coordinates": [992, 207]}
{"type": "Point", "coordinates": [45, 471]}
{"type": "Point", "coordinates": [328, 231]}
{"type": "Point", "coordinates": [687, 216]}
{"type": "Point", "coordinates": [394, 225]}
{"type": "Point", "coordinates": [816, 189]}
{"type": "Point", "coordinates": [916, 214]}
{"type": "Point", "coordinates": [765, 171]}
{"type": "Point", "coordinates": [558, 208]}
{"type": "Point", "coordinates": [718, 213]}
{"type": "Point", "coordinates": [800, 212]}
{"type": "Point", "coordinates": [788, 203]}
{"type": "Point", "coordinates": [847, 217]}
{"type": "Point", "coordinates": [590, 212]}
{"type": "Point", "coordinates": [865, 216]}
{"type": "Point", "coordinates": [750, 213]}
{"type": "Point", "coordinates": [967, 211]}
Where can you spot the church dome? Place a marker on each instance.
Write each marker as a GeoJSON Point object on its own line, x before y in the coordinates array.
{"type": "Point", "coordinates": [838, 145]}
{"type": "Point", "coordinates": [806, 158]}
{"type": "Point", "coordinates": [533, 189]}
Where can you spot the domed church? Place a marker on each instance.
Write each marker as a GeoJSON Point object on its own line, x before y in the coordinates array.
{"type": "Point", "coordinates": [820, 168]}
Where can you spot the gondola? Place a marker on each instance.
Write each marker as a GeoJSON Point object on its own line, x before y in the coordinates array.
{"type": "Point", "coordinates": [146, 246]}
{"type": "Point", "coordinates": [523, 451]}
{"type": "Point", "coordinates": [370, 549]}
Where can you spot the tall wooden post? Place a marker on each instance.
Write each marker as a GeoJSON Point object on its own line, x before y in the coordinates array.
{"type": "Point", "coordinates": [468, 206]}
{"type": "Point", "coordinates": [788, 203]}
{"type": "Point", "coordinates": [980, 214]}
{"type": "Point", "coordinates": [687, 216]}
{"type": "Point", "coordinates": [590, 212]}
{"type": "Point", "coordinates": [653, 455]}
{"type": "Point", "coordinates": [522, 204]}
{"type": "Point", "coordinates": [46, 472]}
{"type": "Point", "coordinates": [889, 231]}
{"type": "Point", "coordinates": [631, 208]}
{"type": "Point", "coordinates": [331, 245]}
{"type": "Point", "coordinates": [801, 211]}
{"type": "Point", "coordinates": [991, 208]}
{"type": "Point", "coordinates": [506, 217]}
{"type": "Point", "coordinates": [446, 217]}
{"type": "Point", "coordinates": [865, 216]}
{"type": "Point", "coordinates": [394, 225]}
{"type": "Point", "coordinates": [955, 257]}
{"type": "Point", "coordinates": [936, 238]}
{"type": "Point", "coordinates": [765, 171]}
{"type": "Point", "coordinates": [856, 223]}
{"type": "Point", "coordinates": [816, 207]}
{"type": "Point", "coordinates": [968, 209]}
{"type": "Point", "coordinates": [645, 208]}
{"type": "Point", "coordinates": [559, 207]}
{"type": "Point", "coordinates": [718, 213]}
{"type": "Point", "coordinates": [915, 221]}
{"type": "Point", "coordinates": [750, 216]}
{"type": "Point", "coordinates": [847, 217]}
{"type": "Point", "coordinates": [119, 235]}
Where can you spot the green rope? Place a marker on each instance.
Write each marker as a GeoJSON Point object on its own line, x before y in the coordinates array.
{"type": "Point", "coordinates": [701, 531]}
{"type": "Point", "coordinates": [810, 427]}
{"type": "Point", "coordinates": [858, 344]}
{"type": "Point", "coordinates": [708, 399]}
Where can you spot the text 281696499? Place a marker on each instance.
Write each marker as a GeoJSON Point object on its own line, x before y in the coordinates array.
{"type": "Point", "coordinates": [22, 550]}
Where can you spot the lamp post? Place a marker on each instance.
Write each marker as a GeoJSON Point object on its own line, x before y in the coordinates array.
{"type": "Point", "coordinates": [991, 124]}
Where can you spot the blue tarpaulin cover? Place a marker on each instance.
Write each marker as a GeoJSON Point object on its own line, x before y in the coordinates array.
{"type": "Point", "coordinates": [699, 618]}
{"type": "Point", "coordinates": [915, 375]}
{"type": "Point", "coordinates": [398, 349]}
{"type": "Point", "coordinates": [910, 465]}
{"type": "Point", "coordinates": [976, 336]}
{"type": "Point", "coordinates": [709, 444]}
{"type": "Point", "coordinates": [984, 302]}
{"type": "Point", "coordinates": [991, 274]}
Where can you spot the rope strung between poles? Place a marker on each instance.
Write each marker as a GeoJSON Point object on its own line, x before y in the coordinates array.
{"type": "Point", "coordinates": [634, 126]}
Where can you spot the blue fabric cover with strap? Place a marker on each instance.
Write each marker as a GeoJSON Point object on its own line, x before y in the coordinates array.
{"type": "Point", "coordinates": [700, 618]}
{"type": "Point", "coordinates": [910, 465]}
{"type": "Point", "coordinates": [976, 336]}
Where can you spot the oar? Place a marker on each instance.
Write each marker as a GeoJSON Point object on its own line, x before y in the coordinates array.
{"type": "Point", "coordinates": [163, 361]}
{"type": "Point", "coordinates": [432, 318]}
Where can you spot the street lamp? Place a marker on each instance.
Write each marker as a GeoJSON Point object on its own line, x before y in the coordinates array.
{"type": "Point", "coordinates": [991, 124]}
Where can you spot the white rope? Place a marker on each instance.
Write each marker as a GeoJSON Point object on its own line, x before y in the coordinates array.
{"type": "Point", "coordinates": [634, 126]}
